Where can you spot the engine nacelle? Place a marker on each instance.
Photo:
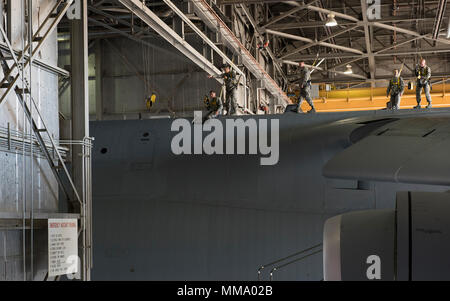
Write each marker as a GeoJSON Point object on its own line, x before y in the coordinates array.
{"type": "Point", "coordinates": [411, 242]}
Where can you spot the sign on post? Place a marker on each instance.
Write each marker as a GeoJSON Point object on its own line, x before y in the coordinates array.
{"type": "Point", "coordinates": [62, 247]}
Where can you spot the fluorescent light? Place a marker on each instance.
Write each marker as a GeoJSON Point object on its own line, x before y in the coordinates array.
{"type": "Point", "coordinates": [331, 21]}
{"type": "Point", "coordinates": [349, 70]}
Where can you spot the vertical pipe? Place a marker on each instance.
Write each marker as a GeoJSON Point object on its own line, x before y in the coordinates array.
{"type": "Point", "coordinates": [30, 53]}
{"type": "Point", "coordinates": [9, 136]}
{"type": "Point", "coordinates": [22, 71]}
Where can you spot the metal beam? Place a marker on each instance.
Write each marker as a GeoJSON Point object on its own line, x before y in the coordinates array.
{"type": "Point", "coordinates": [39, 63]}
{"type": "Point", "coordinates": [299, 49]}
{"type": "Point", "coordinates": [367, 38]}
{"type": "Point", "coordinates": [381, 54]}
{"type": "Point", "coordinates": [211, 44]}
{"type": "Point", "coordinates": [151, 19]}
{"type": "Point", "coordinates": [202, 35]}
{"type": "Point", "coordinates": [377, 79]}
{"type": "Point", "coordinates": [259, 34]}
{"type": "Point", "coordinates": [132, 37]}
{"type": "Point", "coordinates": [307, 40]}
{"type": "Point", "coordinates": [377, 53]}
{"type": "Point", "coordinates": [287, 14]}
{"type": "Point", "coordinates": [439, 17]}
{"type": "Point", "coordinates": [321, 69]}
{"type": "Point", "coordinates": [133, 28]}
{"type": "Point", "coordinates": [366, 22]}
{"type": "Point", "coordinates": [325, 11]}
{"type": "Point", "coordinates": [213, 21]}
{"type": "Point", "coordinates": [40, 37]}
{"type": "Point", "coordinates": [313, 24]}
{"type": "Point", "coordinates": [409, 32]}
{"type": "Point", "coordinates": [228, 2]}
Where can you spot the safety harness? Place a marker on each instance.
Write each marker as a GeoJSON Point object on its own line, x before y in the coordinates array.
{"type": "Point", "coordinates": [396, 84]}
{"type": "Point", "coordinates": [211, 105]}
{"type": "Point", "coordinates": [422, 74]}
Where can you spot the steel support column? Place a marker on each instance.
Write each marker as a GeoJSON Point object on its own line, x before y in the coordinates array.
{"type": "Point", "coordinates": [80, 105]}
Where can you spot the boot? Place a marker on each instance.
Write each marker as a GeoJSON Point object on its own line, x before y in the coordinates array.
{"type": "Point", "coordinates": [429, 106]}
{"type": "Point", "coordinates": [417, 107]}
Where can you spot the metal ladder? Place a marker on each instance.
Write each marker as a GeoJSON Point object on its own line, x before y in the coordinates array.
{"type": "Point", "coordinates": [282, 265]}
{"type": "Point", "coordinates": [37, 122]}
{"type": "Point", "coordinates": [9, 82]}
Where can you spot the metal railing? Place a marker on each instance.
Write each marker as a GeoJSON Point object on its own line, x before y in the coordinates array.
{"type": "Point", "coordinates": [291, 262]}
{"type": "Point", "coordinates": [273, 263]}
{"type": "Point", "coordinates": [86, 216]}
{"type": "Point", "coordinates": [14, 141]}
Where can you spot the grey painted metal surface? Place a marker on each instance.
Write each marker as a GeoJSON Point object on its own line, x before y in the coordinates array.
{"type": "Point", "coordinates": [158, 216]}
{"type": "Point", "coordinates": [417, 153]}
{"type": "Point", "coordinates": [365, 234]}
{"type": "Point", "coordinates": [430, 236]}
{"type": "Point", "coordinates": [408, 243]}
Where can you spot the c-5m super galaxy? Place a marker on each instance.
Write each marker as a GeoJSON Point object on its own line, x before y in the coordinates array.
{"type": "Point", "coordinates": [370, 187]}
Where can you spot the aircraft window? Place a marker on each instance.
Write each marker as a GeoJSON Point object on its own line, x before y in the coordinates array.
{"type": "Point", "coordinates": [146, 134]}
{"type": "Point", "coordinates": [104, 150]}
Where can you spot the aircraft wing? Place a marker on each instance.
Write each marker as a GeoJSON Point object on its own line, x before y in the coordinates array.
{"type": "Point", "coordinates": [413, 150]}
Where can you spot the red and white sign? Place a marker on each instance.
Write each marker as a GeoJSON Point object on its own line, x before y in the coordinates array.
{"type": "Point", "coordinates": [62, 247]}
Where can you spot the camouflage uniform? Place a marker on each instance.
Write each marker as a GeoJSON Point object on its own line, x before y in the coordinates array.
{"type": "Point", "coordinates": [231, 84]}
{"type": "Point", "coordinates": [395, 90]}
{"type": "Point", "coordinates": [423, 82]}
{"type": "Point", "coordinates": [305, 89]}
{"type": "Point", "coordinates": [214, 106]}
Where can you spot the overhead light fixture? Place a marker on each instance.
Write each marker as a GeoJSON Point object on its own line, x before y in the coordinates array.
{"type": "Point", "coordinates": [331, 21]}
{"type": "Point", "coordinates": [349, 70]}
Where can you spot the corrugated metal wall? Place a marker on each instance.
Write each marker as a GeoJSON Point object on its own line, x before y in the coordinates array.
{"type": "Point", "coordinates": [15, 169]}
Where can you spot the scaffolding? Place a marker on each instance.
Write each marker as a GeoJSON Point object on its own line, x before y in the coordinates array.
{"type": "Point", "coordinates": [17, 70]}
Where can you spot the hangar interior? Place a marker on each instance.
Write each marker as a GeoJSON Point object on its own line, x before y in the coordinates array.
{"type": "Point", "coordinates": [89, 88]}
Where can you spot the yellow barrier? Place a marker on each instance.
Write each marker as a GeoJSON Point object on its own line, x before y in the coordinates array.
{"type": "Point", "coordinates": [361, 99]}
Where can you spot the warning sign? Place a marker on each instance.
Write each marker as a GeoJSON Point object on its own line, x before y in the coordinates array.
{"type": "Point", "coordinates": [62, 247]}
